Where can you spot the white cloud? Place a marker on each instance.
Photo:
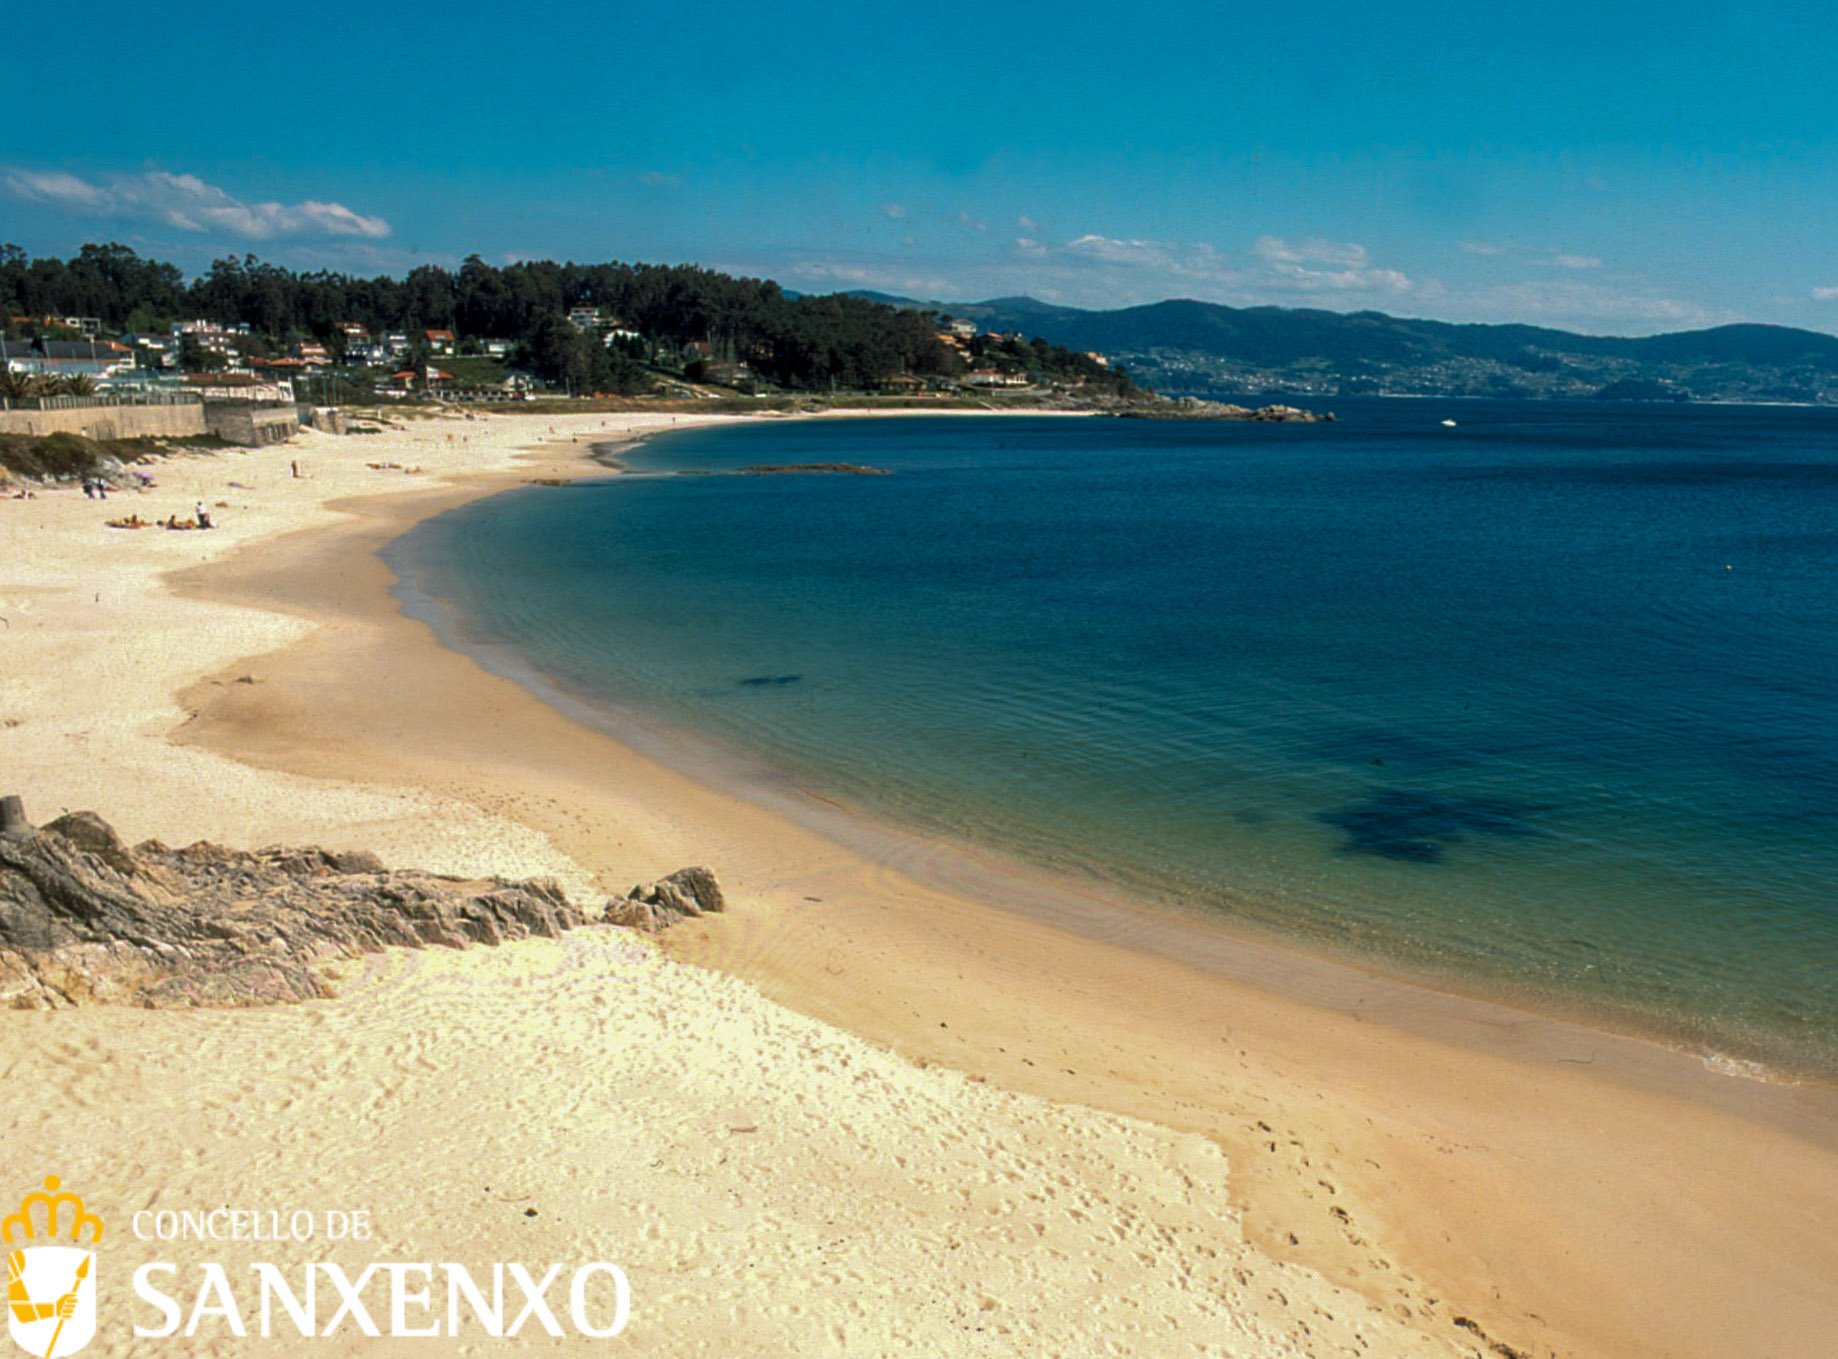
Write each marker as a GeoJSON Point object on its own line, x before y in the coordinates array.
{"type": "Point", "coordinates": [1028, 225]}
{"type": "Point", "coordinates": [658, 179]}
{"type": "Point", "coordinates": [1125, 271]}
{"type": "Point", "coordinates": [1557, 259]}
{"type": "Point", "coordinates": [895, 211]}
{"type": "Point", "coordinates": [1113, 250]}
{"type": "Point", "coordinates": [1291, 264]}
{"type": "Point", "coordinates": [1569, 302]}
{"type": "Point", "coordinates": [1825, 294]}
{"type": "Point", "coordinates": [844, 274]}
{"type": "Point", "coordinates": [969, 223]}
{"type": "Point", "coordinates": [1098, 270]}
{"type": "Point", "coordinates": [188, 203]}
{"type": "Point", "coordinates": [55, 187]}
{"type": "Point", "coordinates": [1277, 251]}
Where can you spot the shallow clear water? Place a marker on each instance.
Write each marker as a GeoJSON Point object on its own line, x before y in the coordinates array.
{"type": "Point", "coordinates": [1545, 704]}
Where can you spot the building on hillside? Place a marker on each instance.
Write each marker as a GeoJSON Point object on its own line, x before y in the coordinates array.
{"type": "Point", "coordinates": [19, 356]}
{"type": "Point", "coordinates": [497, 349]}
{"type": "Point", "coordinates": [154, 350]}
{"type": "Point", "coordinates": [86, 326]}
{"type": "Point", "coordinates": [65, 326]}
{"type": "Point", "coordinates": [357, 344]}
{"type": "Point", "coordinates": [990, 377]}
{"type": "Point", "coordinates": [584, 318]}
{"type": "Point", "coordinates": [439, 341]}
{"type": "Point", "coordinates": [95, 359]}
{"type": "Point", "coordinates": [213, 336]}
{"type": "Point", "coordinates": [311, 354]}
{"type": "Point", "coordinates": [962, 329]}
{"type": "Point", "coordinates": [736, 375]}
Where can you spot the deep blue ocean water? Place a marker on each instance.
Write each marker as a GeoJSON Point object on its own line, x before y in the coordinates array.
{"type": "Point", "coordinates": [1544, 705]}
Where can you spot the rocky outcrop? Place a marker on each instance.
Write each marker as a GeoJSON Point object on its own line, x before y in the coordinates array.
{"type": "Point", "coordinates": [686, 892]}
{"type": "Point", "coordinates": [86, 919]}
{"type": "Point", "coordinates": [1192, 408]}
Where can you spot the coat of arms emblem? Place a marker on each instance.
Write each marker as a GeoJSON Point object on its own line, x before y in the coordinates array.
{"type": "Point", "coordinates": [50, 1289]}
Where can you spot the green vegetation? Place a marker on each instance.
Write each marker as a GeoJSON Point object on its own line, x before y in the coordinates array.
{"type": "Point", "coordinates": [470, 371]}
{"type": "Point", "coordinates": [1200, 347]}
{"type": "Point", "coordinates": [649, 321]}
{"type": "Point", "coordinates": [1042, 362]}
{"type": "Point", "coordinates": [21, 386]}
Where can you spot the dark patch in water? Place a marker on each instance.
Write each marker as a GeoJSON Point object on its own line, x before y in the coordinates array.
{"type": "Point", "coordinates": [1385, 746]}
{"type": "Point", "coordinates": [1413, 827]}
{"type": "Point", "coordinates": [768, 681]}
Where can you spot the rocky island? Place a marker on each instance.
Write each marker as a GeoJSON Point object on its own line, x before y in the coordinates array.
{"type": "Point", "coordinates": [1193, 408]}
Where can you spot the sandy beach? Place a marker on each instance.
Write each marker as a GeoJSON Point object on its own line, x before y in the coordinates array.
{"type": "Point", "coordinates": [900, 1100]}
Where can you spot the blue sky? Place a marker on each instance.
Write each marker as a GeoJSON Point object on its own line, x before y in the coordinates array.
{"type": "Point", "coordinates": [1610, 167]}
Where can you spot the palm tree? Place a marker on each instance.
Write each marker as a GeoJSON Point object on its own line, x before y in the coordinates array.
{"type": "Point", "coordinates": [77, 384]}
{"type": "Point", "coordinates": [18, 386]}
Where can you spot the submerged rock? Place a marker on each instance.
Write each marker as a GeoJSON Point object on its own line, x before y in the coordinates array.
{"type": "Point", "coordinates": [1417, 827]}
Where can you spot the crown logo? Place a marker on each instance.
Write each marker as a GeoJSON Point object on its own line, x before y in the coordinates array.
{"type": "Point", "coordinates": [54, 1203]}
{"type": "Point", "coordinates": [50, 1297]}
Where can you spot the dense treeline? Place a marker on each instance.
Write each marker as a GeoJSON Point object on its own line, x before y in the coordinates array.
{"type": "Point", "coordinates": [810, 342]}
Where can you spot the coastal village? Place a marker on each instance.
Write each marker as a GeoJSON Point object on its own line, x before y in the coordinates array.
{"type": "Point", "coordinates": [76, 356]}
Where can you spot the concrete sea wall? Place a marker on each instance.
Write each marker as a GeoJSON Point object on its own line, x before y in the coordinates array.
{"type": "Point", "coordinates": [109, 421]}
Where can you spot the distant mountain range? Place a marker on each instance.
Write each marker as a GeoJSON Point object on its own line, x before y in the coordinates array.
{"type": "Point", "coordinates": [1186, 346]}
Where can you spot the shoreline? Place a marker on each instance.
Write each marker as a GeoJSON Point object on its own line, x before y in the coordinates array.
{"type": "Point", "coordinates": [1512, 1186]}
{"type": "Point", "coordinates": [1288, 960]}
{"type": "Point", "coordinates": [1098, 906]}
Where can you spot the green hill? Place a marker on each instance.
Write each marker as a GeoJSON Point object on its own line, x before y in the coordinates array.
{"type": "Point", "coordinates": [1185, 345]}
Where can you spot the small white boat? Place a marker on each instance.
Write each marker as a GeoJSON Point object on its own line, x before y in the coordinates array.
{"type": "Point", "coordinates": [1450, 424]}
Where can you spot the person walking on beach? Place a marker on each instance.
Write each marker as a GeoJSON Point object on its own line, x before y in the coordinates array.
{"type": "Point", "coordinates": [204, 516]}
{"type": "Point", "coordinates": [89, 488]}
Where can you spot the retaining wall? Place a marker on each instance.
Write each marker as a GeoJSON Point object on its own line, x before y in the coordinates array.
{"type": "Point", "coordinates": [252, 424]}
{"type": "Point", "coordinates": [109, 422]}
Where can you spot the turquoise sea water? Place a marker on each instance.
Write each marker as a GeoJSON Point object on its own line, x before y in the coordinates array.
{"type": "Point", "coordinates": [1544, 704]}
